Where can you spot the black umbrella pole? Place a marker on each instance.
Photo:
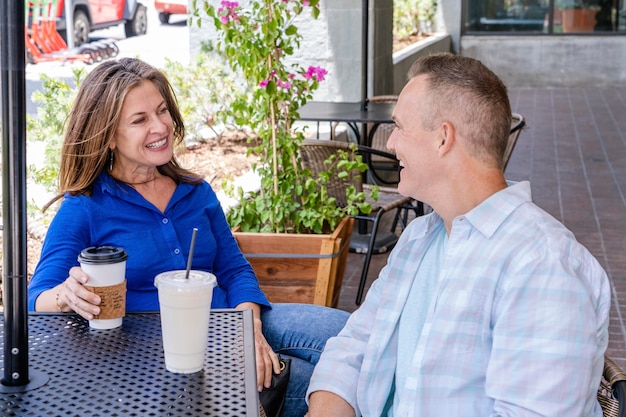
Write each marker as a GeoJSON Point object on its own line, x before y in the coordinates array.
{"type": "Point", "coordinates": [364, 51]}
{"type": "Point", "coordinates": [14, 262]}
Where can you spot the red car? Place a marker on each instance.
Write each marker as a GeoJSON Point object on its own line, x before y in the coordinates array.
{"type": "Point", "coordinates": [166, 8]}
{"type": "Point", "coordinates": [90, 15]}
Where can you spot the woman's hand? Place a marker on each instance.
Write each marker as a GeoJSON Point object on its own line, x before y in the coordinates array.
{"type": "Point", "coordinates": [266, 360]}
{"type": "Point", "coordinates": [73, 296]}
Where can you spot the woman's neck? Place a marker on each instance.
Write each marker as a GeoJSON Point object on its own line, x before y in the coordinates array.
{"type": "Point", "coordinates": [136, 178]}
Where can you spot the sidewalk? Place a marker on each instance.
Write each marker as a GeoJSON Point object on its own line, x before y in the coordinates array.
{"type": "Point", "coordinates": [573, 151]}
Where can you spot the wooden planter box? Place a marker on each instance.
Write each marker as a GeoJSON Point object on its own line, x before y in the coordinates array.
{"type": "Point", "coordinates": [299, 268]}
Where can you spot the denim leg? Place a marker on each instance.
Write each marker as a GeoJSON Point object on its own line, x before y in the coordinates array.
{"type": "Point", "coordinates": [300, 332]}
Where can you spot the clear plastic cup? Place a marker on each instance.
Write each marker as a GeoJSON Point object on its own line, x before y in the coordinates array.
{"type": "Point", "coordinates": [106, 268]}
{"type": "Point", "coordinates": [185, 306]}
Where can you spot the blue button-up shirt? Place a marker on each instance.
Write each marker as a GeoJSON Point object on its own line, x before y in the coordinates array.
{"type": "Point", "coordinates": [115, 214]}
{"type": "Point", "coordinates": [517, 325]}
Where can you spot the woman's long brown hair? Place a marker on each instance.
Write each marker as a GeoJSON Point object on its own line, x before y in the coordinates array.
{"type": "Point", "coordinates": [94, 118]}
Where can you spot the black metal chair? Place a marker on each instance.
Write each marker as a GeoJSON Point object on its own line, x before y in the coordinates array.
{"type": "Point", "coordinates": [517, 124]}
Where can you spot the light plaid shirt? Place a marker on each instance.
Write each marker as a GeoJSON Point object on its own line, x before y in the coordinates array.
{"type": "Point", "coordinates": [518, 325]}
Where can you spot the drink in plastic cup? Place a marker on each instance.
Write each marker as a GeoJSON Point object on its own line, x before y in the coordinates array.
{"type": "Point", "coordinates": [185, 308]}
{"type": "Point", "coordinates": [106, 268]}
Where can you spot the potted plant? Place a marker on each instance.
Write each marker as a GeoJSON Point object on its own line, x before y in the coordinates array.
{"type": "Point", "coordinates": [257, 41]}
{"type": "Point", "coordinates": [577, 15]}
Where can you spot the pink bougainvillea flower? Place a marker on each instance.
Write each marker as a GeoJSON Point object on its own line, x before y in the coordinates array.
{"type": "Point", "coordinates": [306, 3]}
{"type": "Point", "coordinates": [284, 84]}
{"type": "Point", "coordinates": [228, 12]}
{"type": "Point", "coordinates": [264, 83]}
{"type": "Point", "coordinates": [316, 73]}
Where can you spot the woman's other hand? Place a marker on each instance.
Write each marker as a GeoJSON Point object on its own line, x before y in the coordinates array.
{"type": "Point", "coordinates": [266, 360]}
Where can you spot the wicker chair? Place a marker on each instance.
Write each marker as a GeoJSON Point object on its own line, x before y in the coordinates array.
{"type": "Point", "coordinates": [612, 391]}
{"type": "Point", "coordinates": [314, 154]}
{"type": "Point", "coordinates": [383, 130]}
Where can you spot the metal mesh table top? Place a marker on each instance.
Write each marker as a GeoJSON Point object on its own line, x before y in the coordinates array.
{"type": "Point", "coordinates": [121, 372]}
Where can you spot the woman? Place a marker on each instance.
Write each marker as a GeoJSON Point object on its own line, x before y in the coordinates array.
{"type": "Point", "coordinates": [122, 186]}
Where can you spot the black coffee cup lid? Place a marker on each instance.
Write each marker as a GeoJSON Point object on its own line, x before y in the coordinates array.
{"type": "Point", "coordinates": [102, 255]}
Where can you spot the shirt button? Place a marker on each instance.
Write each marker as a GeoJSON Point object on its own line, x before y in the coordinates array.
{"type": "Point", "coordinates": [176, 251]}
{"type": "Point", "coordinates": [165, 221]}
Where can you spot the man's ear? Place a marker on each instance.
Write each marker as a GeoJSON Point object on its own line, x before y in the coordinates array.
{"type": "Point", "coordinates": [447, 138]}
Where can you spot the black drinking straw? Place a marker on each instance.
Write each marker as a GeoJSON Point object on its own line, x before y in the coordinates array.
{"type": "Point", "coordinates": [191, 249]}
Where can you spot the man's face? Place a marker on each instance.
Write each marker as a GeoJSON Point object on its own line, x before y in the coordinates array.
{"type": "Point", "coordinates": [415, 147]}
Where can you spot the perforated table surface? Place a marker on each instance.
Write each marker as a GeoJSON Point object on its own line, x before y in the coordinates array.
{"type": "Point", "coordinates": [121, 372]}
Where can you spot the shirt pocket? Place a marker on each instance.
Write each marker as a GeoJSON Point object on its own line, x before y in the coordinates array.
{"type": "Point", "coordinates": [458, 319]}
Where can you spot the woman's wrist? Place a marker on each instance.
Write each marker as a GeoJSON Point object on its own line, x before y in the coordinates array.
{"type": "Point", "coordinates": [59, 297]}
{"type": "Point", "coordinates": [56, 299]}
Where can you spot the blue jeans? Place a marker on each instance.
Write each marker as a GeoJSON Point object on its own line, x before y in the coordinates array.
{"type": "Point", "coordinates": [300, 332]}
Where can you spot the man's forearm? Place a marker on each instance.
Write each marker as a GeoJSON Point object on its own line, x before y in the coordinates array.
{"type": "Point", "coordinates": [327, 404]}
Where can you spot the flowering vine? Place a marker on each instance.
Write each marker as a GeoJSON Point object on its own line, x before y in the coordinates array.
{"type": "Point", "coordinates": [257, 41]}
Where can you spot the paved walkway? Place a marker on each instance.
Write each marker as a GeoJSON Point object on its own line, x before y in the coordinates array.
{"type": "Point", "coordinates": [573, 151]}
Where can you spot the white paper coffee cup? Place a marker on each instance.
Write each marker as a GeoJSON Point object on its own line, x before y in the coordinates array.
{"type": "Point", "coordinates": [106, 268]}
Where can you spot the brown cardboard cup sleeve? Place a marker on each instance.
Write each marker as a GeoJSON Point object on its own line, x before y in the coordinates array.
{"type": "Point", "coordinates": [113, 304]}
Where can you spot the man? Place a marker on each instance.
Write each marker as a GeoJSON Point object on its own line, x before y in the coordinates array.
{"type": "Point", "coordinates": [487, 306]}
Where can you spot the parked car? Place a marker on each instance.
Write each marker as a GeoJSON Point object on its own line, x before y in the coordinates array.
{"type": "Point", "coordinates": [90, 15]}
{"type": "Point", "coordinates": [166, 8]}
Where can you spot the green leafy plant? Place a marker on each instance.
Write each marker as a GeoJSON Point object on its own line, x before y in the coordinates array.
{"type": "Point", "coordinates": [405, 21]}
{"type": "Point", "coordinates": [426, 10]}
{"type": "Point", "coordinates": [257, 42]}
{"type": "Point", "coordinates": [55, 100]}
{"type": "Point", "coordinates": [410, 15]}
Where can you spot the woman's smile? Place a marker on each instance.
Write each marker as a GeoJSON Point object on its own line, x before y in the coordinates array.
{"type": "Point", "coordinates": [155, 145]}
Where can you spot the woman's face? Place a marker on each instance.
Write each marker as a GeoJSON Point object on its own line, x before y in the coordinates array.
{"type": "Point", "coordinates": [144, 136]}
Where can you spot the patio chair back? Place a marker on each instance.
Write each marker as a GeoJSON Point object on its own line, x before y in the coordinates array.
{"type": "Point", "coordinates": [612, 391]}
{"type": "Point", "coordinates": [314, 155]}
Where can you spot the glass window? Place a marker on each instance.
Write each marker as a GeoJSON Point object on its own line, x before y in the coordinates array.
{"type": "Point", "coordinates": [544, 16]}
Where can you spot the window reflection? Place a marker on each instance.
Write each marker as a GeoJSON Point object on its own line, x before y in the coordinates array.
{"type": "Point", "coordinates": [544, 16]}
